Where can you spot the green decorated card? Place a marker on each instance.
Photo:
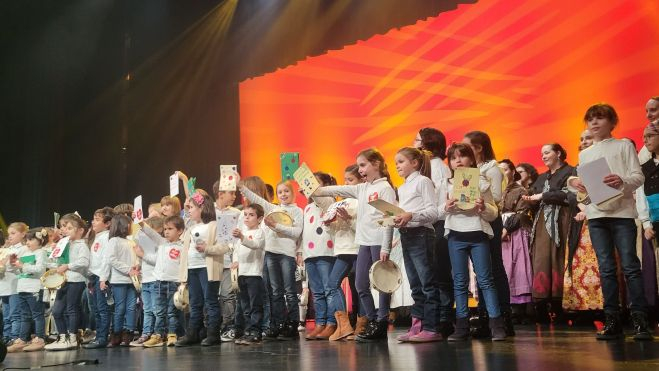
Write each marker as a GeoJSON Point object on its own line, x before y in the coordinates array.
{"type": "Point", "coordinates": [290, 162]}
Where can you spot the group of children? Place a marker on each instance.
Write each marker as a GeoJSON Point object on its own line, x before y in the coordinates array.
{"type": "Point", "coordinates": [243, 288]}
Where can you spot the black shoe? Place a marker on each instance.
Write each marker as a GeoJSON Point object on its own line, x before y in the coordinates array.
{"type": "Point", "coordinates": [498, 329]}
{"type": "Point", "coordinates": [95, 344]}
{"type": "Point", "coordinates": [251, 339]}
{"type": "Point", "coordinates": [375, 331]}
{"type": "Point", "coordinates": [447, 329]}
{"type": "Point", "coordinates": [612, 329]}
{"type": "Point", "coordinates": [641, 326]}
{"type": "Point", "coordinates": [213, 338]}
{"type": "Point", "coordinates": [461, 330]}
{"type": "Point", "coordinates": [191, 338]}
{"type": "Point", "coordinates": [271, 333]}
{"type": "Point", "coordinates": [508, 323]}
{"type": "Point", "coordinates": [288, 331]}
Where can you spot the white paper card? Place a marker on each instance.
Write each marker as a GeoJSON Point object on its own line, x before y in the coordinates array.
{"type": "Point", "coordinates": [137, 210]}
{"type": "Point", "coordinates": [228, 177]}
{"type": "Point", "coordinates": [226, 223]}
{"type": "Point", "coordinates": [173, 185]}
{"type": "Point", "coordinates": [59, 248]}
{"type": "Point", "coordinates": [386, 208]}
{"type": "Point", "coordinates": [592, 176]}
{"type": "Point", "coordinates": [306, 180]}
{"type": "Point", "coordinates": [145, 242]}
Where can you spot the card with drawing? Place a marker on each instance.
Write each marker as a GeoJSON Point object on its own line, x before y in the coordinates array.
{"type": "Point", "coordinates": [388, 209]}
{"type": "Point", "coordinates": [226, 223]}
{"type": "Point", "coordinates": [228, 177]}
{"type": "Point", "coordinates": [306, 180]}
{"type": "Point", "coordinates": [466, 187]}
{"type": "Point", "coordinates": [138, 213]}
{"type": "Point", "coordinates": [290, 161]}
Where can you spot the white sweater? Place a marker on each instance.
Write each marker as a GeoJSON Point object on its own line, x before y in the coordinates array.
{"type": "Point", "coordinates": [417, 196]}
{"type": "Point", "coordinates": [491, 171]}
{"type": "Point", "coordinates": [368, 231]}
{"type": "Point", "coordinates": [9, 279]}
{"type": "Point", "coordinates": [29, 277]}
{"type": "Point", "coordinates": [470, 220]}
{"type": "Point", "coordinates": [78, 261]}
{"type": "Point", "coordinates": [98, 256]}
{"type": "Point", "coordinates": [343, 232]}
{"type": "Point", "coordinates": [249, 253]}
{"type": "Point", "coordinates": [122, 258]}
{"type": "Point", "coordinates": [283, 239]}
{"type": "Point", "coordinates": [316, 238]}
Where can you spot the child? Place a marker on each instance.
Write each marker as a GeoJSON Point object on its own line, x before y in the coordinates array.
{"type": "Point", "coordinates": [369, 235]}
{"type": "Point", "coordinates": [100, 267]}
{"type": "Point", "coordinates": [29, 265]}
{"type": "Point", "coordinates": [170, 206]}
{"type": "Point", "coordinates": [123, 261]}
{"type": "Point", "coordinates": [248, 259]}
{"type": "Point", "coordinates": [281, 254]}
{"type": "Point", "coordinates": [612, 225]}
{"type": "Point", "coordinates": [318, 253]}
{"type": "Point", "coordinates": [11, 313]}
{"type": "Point", "coordinates": [468, 233]}
{"type": "Point", "coordinates": [223, 206]}
{"type": "Point", "coordinates": [155, 210]}
{"type": "Point", "coordinates": [417, 236]}
{"type": "Point", "coordinates": [201, 268]}
{"type": "Point", "coordinates": [73, 262]}
{"type": "Point", "coordinates": [166, 260]}
{"type": "Point", "coordinates": [149, 284]}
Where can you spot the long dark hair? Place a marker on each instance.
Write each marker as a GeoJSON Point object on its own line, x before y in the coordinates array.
{"type": "Point", "coordinates": [480, 138]}
{"type": "Point", "coordinates": [434, 141]}
{"type": "Point", "coordinates": [120, 226]}
{"type": "Point", "coordinates": [462, 150]}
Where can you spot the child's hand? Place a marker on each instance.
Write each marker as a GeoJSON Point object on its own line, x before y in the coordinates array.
{"type": "Point", "coordinates": [536, 197]}
{"type": "Point", "coordinates": [613, 181]}
{"type": "Point", "coordinates": [402, 219]}
{"type": "Point", "coordinates": [342, 213]}
{"type": "Point", "coordinates": [504, 235]}
{"type": "Point", "coordinates": [479, 205]}
{"type": "Point", "coordinates": [271, 223]}
{"type": "Point", "coordinates": [234, 265]}
{"type": "Point", "coordinates": [451, 205]}
{"type": "Point", "coordinates": [103, 285]}
{"type": "Point", "coordinates": [580, 217]}
{"type": "Point", "coordinates": [17, 263]}
{"type": "Point", "coordinates": [299, 260]}
{"type": "Point", "coordinates": [578, 184]}
{"type": "Point", "coordinates": [201, 246]}
{"type": "Point", "coordinates": [62, 268]}
{"type": "Point", "coordinates": [384, 256]}
{"type": "Point", "coordinates": [134, 271]}
{"type": "Point", "coordinates": [139, 251]}
{"type": "Point", "coordinates": [648, 233]}
{"type": "Point", "coordinates": [237, 233]}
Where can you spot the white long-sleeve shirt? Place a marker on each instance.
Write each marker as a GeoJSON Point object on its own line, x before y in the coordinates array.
{"type": "Point", "coordinates": [417, 196]}
{"type": "Point", "coordinates": [121, 258]}
{"type": "Point", "coordinates": [98, 255]}
{"type": "Point", "coordinates": [623, 161]}
{"type": "Point", "coordinates": [368, 232]}
{"type": "Point", "coordinates": [343, 231]}
{"type": "Point", "coordinates": [9, 279]}
{"type": "Point", "coordinates": [470, 220]}
{"type": "Point", "coordinates": [316, 238]}
{"type": "Point", "coordinates": [439, 173]}
{"type": "Point", "coordinates": [249, 253]}
{"type": "Point", "coordinates": [166, 258]}
{"type": "Point", "coordinates": [491, 171]}
{"type": "Point", "coordinates": [78, 261]}
{"type": "Point", "coordinates": [29, 277]}
{"type": "Point", "coordinates": [283, 239]}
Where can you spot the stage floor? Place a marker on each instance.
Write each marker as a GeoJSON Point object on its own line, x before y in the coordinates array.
{"type": "Point", "coordinates": [533, 349]}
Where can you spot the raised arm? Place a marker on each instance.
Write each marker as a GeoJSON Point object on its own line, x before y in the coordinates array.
{"type": "Point", "coordinates": [253, 197]}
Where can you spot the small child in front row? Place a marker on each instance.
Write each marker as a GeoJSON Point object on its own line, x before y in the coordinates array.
{"type": "Point", "coordinates": [469, 233]}
{"type": "Point", "coordinates": [248, 259]}
{"type": "Point", "coordinates": [167, 261]}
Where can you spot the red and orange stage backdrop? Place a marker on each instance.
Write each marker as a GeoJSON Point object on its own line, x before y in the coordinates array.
{"type": "Point", "coordinates": [523, 71]}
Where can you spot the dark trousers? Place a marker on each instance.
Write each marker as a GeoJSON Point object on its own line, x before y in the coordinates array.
{"type": "Point", "coordinates": [441, 263]}
{"type": "Point", "coordinates": [498, 270]}
{"type": "Point", "coordinates": [67, 307]}
{"type": "Point", "coordinates": [251, 302]}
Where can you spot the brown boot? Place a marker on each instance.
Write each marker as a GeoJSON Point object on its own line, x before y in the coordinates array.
{"type": "Point", "coordinates": [314, 333]}
{"type": "Point", "coordinates": [126, 338]}
{"type": "Point", "coordinates": [360, 326]}
{"type": "Point", "coordinates": [343, 328]}
{"type": "Point", "coordinates": [115, 340]}
{"type": "Point", "coordinates": [326, 333]}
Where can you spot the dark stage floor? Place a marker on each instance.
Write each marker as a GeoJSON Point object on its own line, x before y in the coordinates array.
{"type": "Point", "coordinates": [531, 350]}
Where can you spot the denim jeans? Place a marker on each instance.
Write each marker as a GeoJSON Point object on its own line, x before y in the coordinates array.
{"type": "Point", "coordinates": [125, 300]}
{"type": "Point", "coordinates": [461, 246]}
{"type": "Point", "coordinates": [203, 297]}
{"type": "Point", "coordinates": [417, 244]}
{"type": "Point", "coordinates": [335, 298]}
{"type": "Point", "coordinates": [227, 299]}
{"type": "Point", "coordinates": [11, 317]}
{"type": "Point", "coordinates": [606, 235]}
{"type": "Point", "coordinates": [251, 302]}
{"type": "Point", "coordinates": [281, 269]}
{"type": "Point", "coordinates": [318, 273]}
{"type": "Point", "coordinates": [68, 307]}
{"type": "Point", "coordinates": [149, 297]}
{"type": "Point", "coordinates": [102, 311]}
{"type": "Point", "coordinates": [441, 264]}
{"type": "Point", "coordinates": [366, 256]}
{"type": "Point", "coordinates": [164, 309]}
{"type": "Point", "coordinates": [498, 270]}
{"type": "Point", "coordinates": [31, 305]}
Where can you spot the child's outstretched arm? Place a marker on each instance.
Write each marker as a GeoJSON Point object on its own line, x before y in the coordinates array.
{"type": "Point", "coordinates": [350, 191]}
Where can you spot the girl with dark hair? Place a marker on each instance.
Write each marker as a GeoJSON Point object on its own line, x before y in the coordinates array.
{"type": "Point", "coordinates": [527, 174]}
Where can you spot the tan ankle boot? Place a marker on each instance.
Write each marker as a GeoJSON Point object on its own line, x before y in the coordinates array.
{"type": "Point", "coordinates": [314, 333]}
{"type": "Point", "coordinates": [326, 333]}
{"type": "Point", "coordinates": [343, 328]}
{"type": "Point", "coordinates": [360, 326]}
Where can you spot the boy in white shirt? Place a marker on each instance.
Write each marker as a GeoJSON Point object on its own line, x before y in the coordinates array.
{"type": "Point", "coordinates": [248, 259]}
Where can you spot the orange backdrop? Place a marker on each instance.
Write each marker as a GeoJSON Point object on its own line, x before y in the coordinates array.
{"type": "Point", "coordinates": [523, 71]}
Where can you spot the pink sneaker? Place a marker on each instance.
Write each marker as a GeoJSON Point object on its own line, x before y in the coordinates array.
{"type": "Point", "coordinates": [426, 337]}
{"type": "Point", "coordinates": [414, 330]}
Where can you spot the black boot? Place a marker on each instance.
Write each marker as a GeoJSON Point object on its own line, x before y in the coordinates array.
{"type": "Point", "coordinates": [482, 329]}
{"type": "Point", "coordinates": [612, 329]}
{"type": "Point", "coordinates": [446, 328]}
{"type": "Point", "coordinates": [641, 326]}
{"type": "Point", "coordinates": [271, 333]}
{"type": "Point", "coordinates": [212, 337]}
{"type": "Point", "coordinates": [461, 330]}
{"type": "Point", "coordinates": [498, 329]}
{"type": "Point", "coordinates": [508, 323]}
{"type": "Point", "coordinates": [375, 331]}
{"type": "Point", "coordinates": [191, 337]}
{"type": "Point", "coordinates": [288, 331]}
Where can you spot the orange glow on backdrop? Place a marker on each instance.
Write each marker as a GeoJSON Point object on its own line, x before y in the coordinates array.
{"type": "Point", "coordinates": [523, 71]}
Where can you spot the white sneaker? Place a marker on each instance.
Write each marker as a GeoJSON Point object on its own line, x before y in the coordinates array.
{"type": "Point", "coordinates": [63, 343]}
{"type": "Point", "coordinates": [228, 336]}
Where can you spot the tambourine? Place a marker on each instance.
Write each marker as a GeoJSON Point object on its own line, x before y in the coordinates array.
{"type": "Point", "coordinates": [330, 214]}
{"type": "Point", "coordinates": [182, 298]}
{"type": "Point", "coordinates": [53, 280]}
{"type": "Point", "coordinates": [281, 217]}
{"type": "Point", "coordinates": [385, 276]}
{"type": "Point", "coordinates": [137, 283]}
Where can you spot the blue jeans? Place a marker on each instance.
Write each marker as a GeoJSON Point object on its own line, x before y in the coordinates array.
{"type": "Point", "coordinates": [417, 244]}
{"type": "Point", "coordinates": [11, 317]}
{"type": "Point", "coordinates": [365, 258]}
{"type": "Point", "coordinates": [149, 297]}
{"type": "Point", "coordinates": [476, 245]}
{"type": "Point", "coordinates": [125, 300]}
{"type": "Point", "coordinates": [441, 263]}
{"type": "Point", "coordinates": [251, 302]}
{"type": "Point", "coordinates": [606, 235]}
{"type": "Point", "coordinates": [164, 309]}
{"type": "Point", "coordinates": [32, 310]}
{"type": "Point", "coordinates": [204, 295]}
{"type": "Point", "coordinates": [102, 311]}
{"type": "Point", "coordinates": [336, 301]}
{"type": "Point", "coordinates": [498, 270]}
{"type": "Point", "coordinates": [281, 270]}
{"type": "Point", "coordinates": [68, 307]}
{"type": "Point", "coordinates": [318, 272]}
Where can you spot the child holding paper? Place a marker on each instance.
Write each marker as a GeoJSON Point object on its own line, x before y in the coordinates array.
{"type": "Point", "coordinates": [417, 236]}
{"type": "Point", "coordinates": [469, 233]}
{"type": "Point", "coordinates": [369, 235]}
{"type": "Point", "coordinates": [612, 225]}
